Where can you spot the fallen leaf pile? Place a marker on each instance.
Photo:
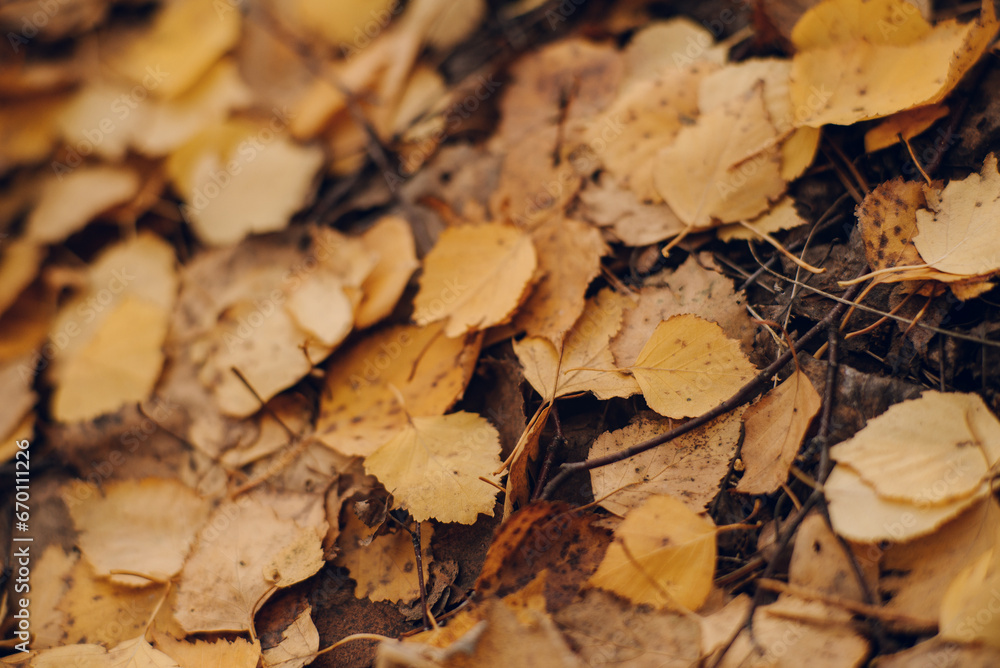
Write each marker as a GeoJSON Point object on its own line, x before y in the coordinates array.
{"type": "Point", "coordinates": [302, 306]}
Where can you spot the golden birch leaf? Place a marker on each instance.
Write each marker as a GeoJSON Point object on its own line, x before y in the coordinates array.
{"type": "Point", "coordinates": [688, 467]}
{"type": "Point", "coordinates": [859, 514]}
{"type": "Point", "coordinates": [185, 39]}
{"type": "Point", "coordinates": [862, 59]}
{"type": "Point", "coordinates": [137, 653]}
{"type": "Point", "coordinates": [146, 526]}
{"type": "Point", "coordinates": [474, 277]}
{"type": "Point", "coordinates": [932, 450]}
{"type": "Point", "coordinates": [724, 168]}
{"type": "Point", "coordinates": [586, 363]}
{"type": "Point", "coordinates": [231, 566]}
{"type": "Point", "coordinates": [781, 216]}
{"type": "Point", "coordinates": [360, 410]}
{"type": "Point", "coordinates": [909, 124]}
{"type": "Point", "coordinates": [775, 427]}
{"type": "Point", "coordinates": [384, 566]}
{"type": "Point", "coordinates": [663, 555]}
{"type": "Point", "coordinates": [222, 653]}
{"type": "Point", "coordinates": [960, 231]}
{"type": "Point", "coordinates": [432, 467]}
{"type": "Point", "coordinates": [689, 366]}
{"type": "Point", "coordinates": [298, 643]}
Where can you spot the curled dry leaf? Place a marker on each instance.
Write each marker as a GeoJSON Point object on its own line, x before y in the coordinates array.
{"type": "Point", "coordinates": [474, 278]}
{"type": "Point", "coordinates": [145, 526]}
{"type": "Point", "coordinates": [390, 240]}
{"type": "Point", "coordinates": [298, 644]}
{"type": "Point", "coordinates": [689, 366]}
{"type": "Point", "coordinates": [663, 555]}
{"type": "Point", "coordinates": [433, 466]}
{"type": "Point", "coordinates": [775, 427]}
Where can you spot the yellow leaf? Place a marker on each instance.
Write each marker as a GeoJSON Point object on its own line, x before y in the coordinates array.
{"type": "Point", "coordinates": [347, 23]}
{"type": "Point", "coordinates": [239, 178]}
{"type": "Point", "coordinates": [663, 555]}
{"type": "Point", "coordinates": [775, 427]}
{"type": "Point", "coordinates": [585, 363]}
{"type": "Point", "coordinates": [474, 277]}
{"type": "Point", "coordinates": [68, 202]}
{"type": "Point", "coordinates": [432, 467]}
{"type": "Point", "coordinates": [861, 59]}
{"type": "Point", "coordinates": [390, 240]}
{"type": "Point", "coordinates": [227, 575]}
{"type": "Point", "coordinates": [933, 450]}
{"type": "Point", "coordinates": [689, 467]}
{"type": "Point", "coordinates": [360, 410]}
{"type": "Point", "coordinates": [185, 39]}
{"type": "Point", "coordinates": [909, 124]}
{"type": "Point", "coordinates": [384, 565]}
{"type": "Point", "coordinates": [222, 653]}
{"type": "Point", "coordinates": [726, 167]}
{"type": "Point", "coordinates": [688, 366]}
{"type": "Point", "coordinates": [781, 216]}
{"type": "Point", "coordinates": [146, 526]}
{"type": "Point", "coordinates": [960, 231]}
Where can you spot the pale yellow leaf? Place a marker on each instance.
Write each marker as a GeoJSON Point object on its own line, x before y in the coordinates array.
{"type": "Point", "coordinates": [858, 513]}
{"type": "Point", "coordinates": [227, 575]}
{"type": "Point", "coordinates": [688, 366]}
{"type": "Point", "coordinates": [973, 593]}
{"type": "Point", "coordinates": [432, 467]}
{"type": "Point", "coordinates": [68, 202]}
{"type": "Point", "coordinates": [185, 39]}
{"type": "Point", "coordinates": [932, 450]}
{"type": "Point", "coordinates": [390, 240]}
{"type": "Point", "coordinates": [960, 231]}
{"type": "Point", "coordinates": [146, 526]}
{"type": "Point", "coordinates": [663, 555]}
{"type": "Point", "coordinates": [726, 167]}
{"type": "Point", "coordinates": [474, 277]}
{"type": "Point", "coordinates": [222, 653]}
{"type": "Point", "coordinates": [774, 428]}
{"type": "Point", "coordinates": [781, 216]}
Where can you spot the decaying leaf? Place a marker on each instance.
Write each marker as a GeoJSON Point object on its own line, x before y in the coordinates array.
{"type": "Point", "coordinates": [688, 366]}
{"type": "Point", "coordinates": [384, 566]}
{"type": "Point", "coordinates": [145, 526]}
{"type": "Point", "coordinates": [299, 642]}
{"type": "Point", "coordinates": [663, 555]}
{"type": "Point", "coordinates": [688, 467]}
{"type": "Point", "coordinates": [433, 465]}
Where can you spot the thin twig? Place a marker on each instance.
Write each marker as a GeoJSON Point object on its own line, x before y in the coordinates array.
{"type": "Point", "coordinates": [743, 395]}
